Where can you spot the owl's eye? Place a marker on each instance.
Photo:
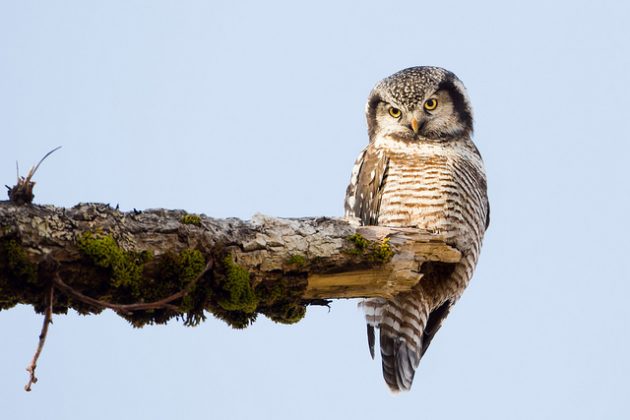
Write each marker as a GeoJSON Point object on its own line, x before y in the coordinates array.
{"type": "Point", "coordinates": [430, 104]}
{"type": "Point", "coordinates": [395, 112]}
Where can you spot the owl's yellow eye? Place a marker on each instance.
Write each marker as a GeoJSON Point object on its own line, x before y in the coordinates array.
{"type": "Point", "coordinates": [430, 104]}
{"type": "Point", "coordinates": [395, 112]}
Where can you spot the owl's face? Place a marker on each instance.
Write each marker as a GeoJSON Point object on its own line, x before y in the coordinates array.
{"type": "Point", "coordinates": [420, 103]}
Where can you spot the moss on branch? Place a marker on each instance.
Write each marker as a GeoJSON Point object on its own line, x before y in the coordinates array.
{"type": "Point", "coordinates": [191, 219]}
{"type": "Point", "coordinates": [237, 301]}
{"type": "Point", "coordinates": [377, 252]}
{"type": "Point", "coordinates": [18, 276]}
{"type": "Point", "coordinates": [125, 267]}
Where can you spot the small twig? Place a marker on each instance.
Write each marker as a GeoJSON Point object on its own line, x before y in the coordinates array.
{"type": "Point", "coordinates": [42, 339]}
{"type": "Point", "coordinates": [22, 192]}
{"type": "Point", "coordinates": [114, 306]}
{"type": "Point", "coordinates": [36, 167]}
{"type": "Point", "coordinates": [158, 304]}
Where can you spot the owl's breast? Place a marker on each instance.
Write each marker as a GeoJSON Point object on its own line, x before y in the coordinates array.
{"type": "Point", "coordinates": [433, 186]}
{"type": "Point", "coordinates": [416, 191]}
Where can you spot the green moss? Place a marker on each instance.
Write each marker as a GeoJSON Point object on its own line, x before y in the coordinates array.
{"type": "Point", "coordinates": [125, 267]}
{"type": "Point", "coordinates": [381, 252]}
{"type": "Point", "coordinates": [235, 319]}
{"type": "Point", "coordinates": [297, 260]}
{"type": "Point", "coordinates": [377, 252]}
{"type": "Point", "coordinates": [18, 276]}
{"type": "Point", "coordinates": [237, 303]}
{"type": "Point", "coordinates": [112, 274]}
{"type": "Point", "coordinates": [192, 264]}
{"type": "Point", "coordinates": [269, 292]}
{"type": "Point", "coordinates": [15, 262]}
{"type": "Point", "coordinates": [360, 244]}
{"type": "Point", "coordinates": [187, 265]}
{"type": "Point", "coordinates": [281, 299]}
{"type": "Point", "coordinates": [178, 271]}
{"type": "Point", "coordinates": [191, 219]}
{"type": "Point", "coordinates": [175, 273]}
{"type": "Point", "coordinates": [133, 278]}
{"type": "Point", "coordinates": [139, 319]}
{"type": "Point", "coordinates": [238, 294]}
{"type": "Point", "coordinates": [286, 312]}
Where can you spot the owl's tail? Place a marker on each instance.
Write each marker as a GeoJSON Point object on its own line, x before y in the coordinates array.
{"type": "Point", "coordinates": [405, 329]}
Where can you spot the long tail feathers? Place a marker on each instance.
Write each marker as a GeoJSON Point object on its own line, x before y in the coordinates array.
{"type": "Point", "coordinates": [403, 337]}
{"type": "Point", "coordinates": [399, 362]}
{"type": "Point", "coordinates": [371, 339]}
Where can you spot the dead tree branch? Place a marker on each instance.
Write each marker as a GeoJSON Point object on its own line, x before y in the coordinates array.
{"type": "Point", "coordinates": [153, 265]}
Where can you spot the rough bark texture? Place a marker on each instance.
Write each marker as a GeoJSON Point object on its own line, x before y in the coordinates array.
{"type": "Point", "coordinates": [153, 265]}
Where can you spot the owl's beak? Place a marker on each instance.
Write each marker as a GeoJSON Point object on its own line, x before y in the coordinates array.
{"type": "Point", "coordinates": [415, 126]}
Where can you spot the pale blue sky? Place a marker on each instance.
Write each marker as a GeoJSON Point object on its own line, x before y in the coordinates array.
{"type": "Point", "coordinates": [233, 108]}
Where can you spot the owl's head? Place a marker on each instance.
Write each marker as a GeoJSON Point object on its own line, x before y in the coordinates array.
{"type": "Point", "coordinates": [420, 103]}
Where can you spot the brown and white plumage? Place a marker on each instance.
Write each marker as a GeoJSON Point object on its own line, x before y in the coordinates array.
{"type": "Point", "coordinates": [420, 169]}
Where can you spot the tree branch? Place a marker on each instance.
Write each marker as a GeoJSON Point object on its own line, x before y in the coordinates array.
{"type": "Point", "coordinates": [152, 265]}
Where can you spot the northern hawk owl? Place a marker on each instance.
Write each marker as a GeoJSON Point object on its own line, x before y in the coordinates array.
{"type": "Point", "coordinates": [420, 169]}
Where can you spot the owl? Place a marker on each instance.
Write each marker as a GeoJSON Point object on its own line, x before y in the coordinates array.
{"type": "Point", "coordinates": [422, 170]}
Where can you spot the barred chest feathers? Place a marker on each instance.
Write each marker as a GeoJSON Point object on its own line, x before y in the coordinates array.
{"type": "Point", "coordinates": [430, 185]}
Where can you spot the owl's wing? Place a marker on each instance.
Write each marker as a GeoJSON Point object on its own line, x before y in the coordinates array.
{"type": "Point", "coordinates": [487, 213]}
{"type": "Point", "coordinates": [363, 196]}
{"type": "Point", "coordinates": [483, 186]}
{"type": "Point", "coordinates": [434, 322]}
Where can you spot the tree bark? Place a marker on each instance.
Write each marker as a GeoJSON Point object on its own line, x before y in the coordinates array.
{"type": "Point", "coordinates": [152, 265]}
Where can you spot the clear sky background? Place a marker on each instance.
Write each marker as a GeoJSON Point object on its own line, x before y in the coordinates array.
{"type": "Point", "coordinates": [234, 108]}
